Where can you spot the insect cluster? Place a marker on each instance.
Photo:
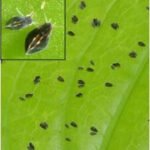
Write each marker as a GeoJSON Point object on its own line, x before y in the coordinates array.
{"type": "Point", "coordinates": [37, 39]}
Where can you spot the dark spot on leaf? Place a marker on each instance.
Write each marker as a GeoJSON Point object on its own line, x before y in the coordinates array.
{"type": "Point", "coordinates": [61, 79]}
{"type": "Point", "coordinates": [89, 69]}
{"type": "Point", "coordinates": [71, 33]}
{"type": "Point", "coordinates": [142, 44]}
{"type": "Point", "coordinates": [66, 125]}
{"type": "Point", "coordinates": [115, 25]}
{"type": "Point", "coordinates": [108, 84]}
{"type": "Point", "coordinates": [68, 139]}
{"type": "Point", "coordinates": [74, 19]}
{"type": "Point", "coordinates": [81, 83]}
{"type": "Point", "coordinates": [94, 129]}
{"type": "Point", "coordinates": [93, 133]}
{"type": "Point", "coordinates": [74, 124]}
{"type": "Point", "coordinates": [79, 95]}
{"type": "Point", "coordinates": [31, 146]}
{"type": "Point", "coordinates": [147, 7]}
{"type": "Point", "coordinates": [29, 95]}
{"type": "Point", "coordinates": [36, 79]}
{"type": "Point", "coordinates": [115, 65]}
{"type": "Point", "coordinates": [80, 68]}
{"type": "Point", "coordinates": [133, 54]}
{"type": "Point", "coordinates": [82, 5]}
{"type": "Point", "coordinates": [96, 22]}
{"type": "Point", "coordinates": [22, 98]}
{"type": "Point", "coordinates": [92, 63]}
{"type": "Point", "coordinates": [44, 125]}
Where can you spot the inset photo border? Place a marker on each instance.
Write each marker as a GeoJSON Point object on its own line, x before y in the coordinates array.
{"type": "Point", "coordinates": [33, 30]}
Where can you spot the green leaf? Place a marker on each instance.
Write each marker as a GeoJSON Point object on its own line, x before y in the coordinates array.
{"type": "Point", "coordinates": [120, 112]}
{"type": "Point", "coordinates": [13, 46]}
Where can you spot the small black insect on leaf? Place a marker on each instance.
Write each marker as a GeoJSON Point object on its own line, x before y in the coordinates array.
{"type": "Point", "coordinates": [66, 125]}
{"type": "Point", "coordinates": [44, 125]}
{"type": "Point", "coordinates": [81, 83]}
{"type": "Point", "coordinates": [108, 84]}
{"type": "Point", "coordinates": [74, 124]}
{"type": "Point", "coordinates": [18, 22]}
{"type": "Point", "coordinates": [82, 5]}
{"type": "Point", "coordinates": [60, 78]}
{"type": "Point", "coordinates": [92, 62]}
{"type": "Point", "coordinates": [93, 133]}
{"type": "Point", "coordinates": [94, 129]}
{"type": "Point", "coordinates": [79, 95]}
{"type": "Point", "coordinates": [133, 54]}
{"type": "Point", "coordinates": [22, 98]}
{"type": "Point", "coordinates": [37, 39]}
{"type": "Point", "coordinates": [142, 44]}
{"type": "Point", "coordinates": [115, 26]}
{"type": "Point", "coordinates": [29, 95]}
{"type": "Point", "coordinates": [96, 22]}
{"type": "Point", "coordinates": [37, 79]}
{"type": "Point", "coordinates": [147, 7]}
{"type": "Point", "coordinates": [80, 68]}
{"type": "Point", "coordinates": [74, 19]}
{"type": "Point", "coordinates": [115, 65]}
{"type": "Point", "coordinates": [31, 146]}
{"type": "Point", "coordinates": [68, 139]}
{"type": "Point", "coordinates": [71, 33]}
{"type": "Point", "coordinates": [89, 69]}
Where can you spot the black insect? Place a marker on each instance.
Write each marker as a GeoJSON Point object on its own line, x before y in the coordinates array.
{"type": "Point", "coordinates": [142, 44]}
{"type": "Point", "coordinates": [92, 62]}
{"type": "Point", "coordinates": [79, 95]}
{"type": "Point", "coordinates": [60, 78]}
{"type": "Point", "coordinates": [81, 83]}
{"type": "Point", "coordinates": [73, 124]}
{"type": "Point", "coordinates": [147, 7]}
{"type": "Point", "coordinates": [82, 5]}
{"type": "Point", "coordinates": [28, 95]}
{"type": "Point", "coordinates": [96, 22]}
{"type": "Point", "coordinates": [89, 69]}
{"type": "Point", "coordinates": [22, 98]}
{"type": "Point", "coordinates": [38, 38]}
{"type": "Point", "coordinates": [115, 26]}
{"type": "Point", "coordinates": [31, 146]}
{"type": "Point", "coordinates": [74, 19]}
{"type": "Point", "coordinates": [36, 79]}
{"type": "Point", "coordinates": [80, 68]}
{"type": "Point", "coordinates": [133, 54]}
{"type": "Point", "coordinates": [94, 129]}
{"type": "Point", "coordinates": [68, 139]}
{"type": "Point", "coordinates": [93, 133]}
{"type": "Point", "coordinates": [71, 33]}
{"type": "Point", "coordinates": [66, 125]}
{"type": "Point", "coordinates": [115, 65]}
{"type": "Point", "coordinates": [18, 22]}
{"type": "Point", "coordinates": [44, 125]}
{"type": "Point", "coordinates": [108, 84]}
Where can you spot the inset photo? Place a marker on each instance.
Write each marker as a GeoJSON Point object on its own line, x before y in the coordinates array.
{"type": "Point", "coordinates": [33, 30]}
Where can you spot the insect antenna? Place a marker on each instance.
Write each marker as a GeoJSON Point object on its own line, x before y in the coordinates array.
{"type": "Point", "coordinates": [19, 12]}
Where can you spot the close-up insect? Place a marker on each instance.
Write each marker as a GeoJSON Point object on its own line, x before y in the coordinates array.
{"type": "Point", "coordinates": [18, 22]}
{"type": "Point", "coordinates": [38, 38]}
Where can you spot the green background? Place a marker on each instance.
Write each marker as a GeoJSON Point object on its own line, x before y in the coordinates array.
{"type": "Point", "coordinates": [120, 113]}
{"type": "Point", "coordinates": [13, 41]}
